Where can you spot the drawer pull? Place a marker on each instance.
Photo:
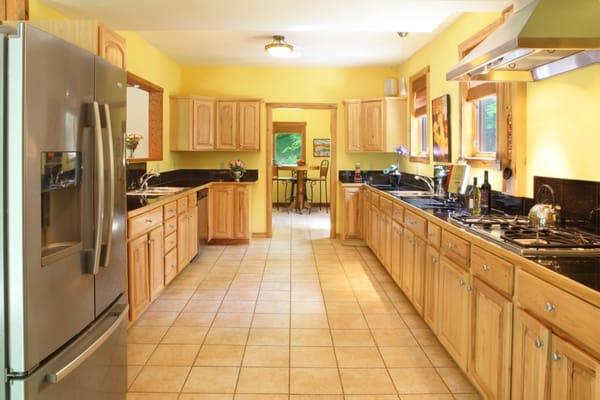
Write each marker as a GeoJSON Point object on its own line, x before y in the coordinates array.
{"type": "Point", "coordinates": [461, 282]}
{"type": "Point", "coordinates": [434, 260]}
{"type": "Point", "coordinates": [451, 245]}
{"type": "Point", "coordinates": [556, 356]}
{"type": "Point", "coordinates": [469, 288]}
{"type": "Point", "coordinates": [149, 220]}
{"type": "Point", "coordinates": [539, 343]}
{"type": "Point", "coordinates": [485, 268]}
{"type": "Point", "coordinates": [550, 307]}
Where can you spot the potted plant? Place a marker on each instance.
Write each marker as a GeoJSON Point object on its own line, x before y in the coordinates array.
{"type": "Point", "coordinates": [237, 169]}
{"type": "Point", "coordinates": [395, 176]}
{"type": "Point", "coordinates": [131, 143]}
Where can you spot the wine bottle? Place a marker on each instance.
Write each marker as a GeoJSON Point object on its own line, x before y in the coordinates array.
{"type": "Point", "coordinates": [475, 199]}
{"type": "Point", "coordinates": [486, 195]}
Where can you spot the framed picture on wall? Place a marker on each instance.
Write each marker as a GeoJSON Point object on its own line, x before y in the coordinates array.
{"type": "Point", "coordinates": [321, 147]}
{"type": "Point", "coordinates": [440, 114]}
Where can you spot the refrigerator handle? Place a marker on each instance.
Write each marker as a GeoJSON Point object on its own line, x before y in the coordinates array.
{"type": "Point", "coordinates": [56, 377]}
{"type": "Point", "coordinates": [99, 178]}
{"type": "Point", "coordinates": [110, 207]}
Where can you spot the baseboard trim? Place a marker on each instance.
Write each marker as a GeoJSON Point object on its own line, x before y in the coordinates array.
{"type": "Point", "coordinates": [260, 235]}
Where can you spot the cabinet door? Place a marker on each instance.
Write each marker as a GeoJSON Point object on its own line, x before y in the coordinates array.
{"type": "Point", "coordinates": [221, 212]}
{"type": "Point", "coordinates": [351, 214]}
{"type": "Point", "coordinates": [203, 124]}
{"type": "Point", "coordinates": [396, 247]}
{"type": "Point", "coordinates": [374, 230]}
{"type": "Point", "coordinates": [491, 341]}
{"type": "Point", "coordinates": [241, 217]}
{"type": "Point", "coordinates": [420, 258]}
{"type": "Point", "coordinates": [226, 134]}
{"type": "Point", "coordinates": [575, 374]}
{"type": "Point", "coordinates": [454, 328]}
{"type": "Point", "coordinates": [111, 47]}
{"type": "Point", "coordinates": [156, 259]}
{"type": "Point", "coordinates": [430, 287]}
{"type": "Point", "coordinates": [249, 125]}
{"type": "Point", "coordinates": [353, 128]}
{"type": "Point", "coordinates": [193, 232]}
{"type": "Point", "coordinates": [372, 125]}
{"type": "Point", "coordinates": [385, 233]}
{"type": "Point", "coordinates": [408, 263]}
{"type": "Point", "coordinates": [183, 232]}
{"type": "Point", "coordinates": [531, 350]}
{"type": "Point", "coordinates": [137, 268]}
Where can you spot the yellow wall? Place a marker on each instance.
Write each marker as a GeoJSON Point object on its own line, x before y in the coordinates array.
{"type": "Point", "coordinates": [562, 128]}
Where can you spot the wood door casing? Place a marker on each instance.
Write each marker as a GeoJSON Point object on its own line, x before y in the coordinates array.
{"type": "Point", "coordinates": [137, 266]}
{"type": "Point", "coordinates": [203, 130]}
{"type": "Point", "coordinates": [249, 125]}
{"type": "Point", "coordinates": [156, 262]}
{"type": "Point", "coordinates": [227, 125]}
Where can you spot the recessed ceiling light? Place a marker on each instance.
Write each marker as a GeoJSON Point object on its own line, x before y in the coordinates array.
{"type": "Point", "coordinates": [279, 47]}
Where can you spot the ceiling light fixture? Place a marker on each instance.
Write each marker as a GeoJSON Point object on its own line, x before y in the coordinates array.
{"type": "Point", "coordinates": [279, 47]}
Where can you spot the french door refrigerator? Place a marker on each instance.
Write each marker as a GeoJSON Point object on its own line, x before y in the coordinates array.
{"type": "Point", "coordinates": [63, 229]}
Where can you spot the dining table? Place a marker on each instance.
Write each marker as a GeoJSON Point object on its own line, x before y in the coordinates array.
{"type": "Point", "coordinates": [300, 201]}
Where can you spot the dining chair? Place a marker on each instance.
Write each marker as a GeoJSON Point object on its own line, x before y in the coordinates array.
{"type": "Point", "coordinates": [285, 180]}
{"type": "Point", "coordinates": [322, 181]}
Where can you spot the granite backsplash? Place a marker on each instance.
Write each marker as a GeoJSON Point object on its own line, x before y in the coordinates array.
{"type": "Point", "coordinates": [185, 177]}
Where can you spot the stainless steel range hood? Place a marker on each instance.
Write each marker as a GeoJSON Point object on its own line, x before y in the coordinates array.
{"type": "Point", "coordinates": [540, 40]}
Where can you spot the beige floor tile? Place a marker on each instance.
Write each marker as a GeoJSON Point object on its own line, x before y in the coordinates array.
{"type": "Point", "coordinates": [352, 337]}
{"type": "Point", "coordinates": [312, 357]}
{"type": "Point", "coordinates": [308, 307]}
{"type": "Point", "coordinates": [456, 381]}
{"type": "Point", "coordinates": [425, 337]}
{"type": "Point", "coordinates": [310, 321]}
{"type": "Point", "coordinates": [185, 335]}
{"type": "Point", "coordinates": [182, 355]}
{"type": "Point", "coordinates": [258, 380]}
{"type": "Point", "coordinates": [438, 356]}
{"type": "Point", "coordinates": [146, 334]}
{"type": "Point", "coordinates": [315, 381]}
{"type": "Point", "coordinates": [132, 373]}
{"type": "Point", "coordinates": [366, 381]}
{"type": "Point", "coordinates": [275, 286]}
{"type": "Point", "coordinates": [394, 337]}
{"type": "Point", "coordinates": [261, 397]}
{"type": "Point", "coordinates": [220, 355]}
{"type": "Point", "coordinates": [400, 357]}
{"type": "Point", "coordinates": [202, 306]}
{"type": "Point", "coordinates": [385, 321]}
{"type": "Point", "coordinates": [160, 379]}
{"type": "Point", "coordinates": [271, 321]}
{"type": "Point", "coordinates": [152, 396]}
{"type": "Point", "coordinates": [237, 307]}
{"type": "Point", "coordinates": [273, 307]}
{"type": "Point", "coordinates": [211, 380]}
{"type": "Point", "coordinates": [347, 307]}
{"type": "Point", "coordinates": [428, 397]}
{"type": "Point", "coordinates": [347, 321]}
{"type": "Point", "coordinates": [266, 356]}
{"type": "Point", "coordinates": [274, 295]}
{"type": "Point", "coordinates": [201, 396]}
{"type": "Point", "coordinates": [378, 308]}
{"type": "Point", "coordinates": [358, 357]}
{"type": "Point", "coordinates": [470, 396]}
{"type": "Point", "coordinates": [138, 354]}
{"type": "Point", "coordinates": [232, 320]}
{"type": "Point", "coordinates": [269, 337]}
{"type": "Point", "coordinates": [371, 397]}
{"type": "Point", "coordinates": [311, 337]}
{"type": "Point", "coordinates": [226, 336]}
{"type": "Point", "coordinates": [194, 319]}
{"type": "Point", "coordinates": [417, 381]}
{"type": "Point", "coordinates": [414, 321]}
{"type": "Point", "coordinates": [157, 318]}
{"type": "Point", "coordinates": [167, 305]}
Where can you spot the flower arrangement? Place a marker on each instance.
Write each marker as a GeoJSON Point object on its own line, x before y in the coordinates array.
{"type": "Point", "coordinates": [131, 143]}
{"type": "Point", "coordinates": [237, 168]}
{"type": "Point", "coordinates": [401, 151]}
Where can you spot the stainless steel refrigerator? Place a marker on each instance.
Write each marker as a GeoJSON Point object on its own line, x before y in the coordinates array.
{"type": "Point", "coordinates": [63, 228]}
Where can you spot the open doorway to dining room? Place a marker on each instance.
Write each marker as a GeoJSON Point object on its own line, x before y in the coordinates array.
{"type": "Point", "coordinates": [301, 163]}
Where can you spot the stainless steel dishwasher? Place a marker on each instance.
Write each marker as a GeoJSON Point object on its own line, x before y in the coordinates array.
{"type": "Point", "coordinates": [202, 218]}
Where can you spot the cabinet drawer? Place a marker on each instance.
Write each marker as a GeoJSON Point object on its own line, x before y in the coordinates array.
{"type": "Point", "coordinates": [398, 213]}
{"type": "Point", "coordinates": [570, 314]}
{"type": "Point", "coordinates": [170, 210]}
{"type": "Point", "coordinates": [374, 199]}
{"type": "Point", "coordinates": [385, 206]}
{"type": "Point", "coordinates": [434, 235]}
{"type": "Point", "coordinates": [415, 223]}
{"type": "Point", "coordinates": [493, 270]}
{"type": "Point", "coordinates": [170, 266]}
{"type": "Point", "coordinates": [170, 241]}
{"type": "Point", "coordinates": [182, 205]}
{"type": "Point", "coordinates": [170, 226]}
{"type": "Point", "coordinates": [144, 222]}
{"type": "Point", "coordinates": [456, 249]}
{"type": "Point", "coordinates": [191, 200]}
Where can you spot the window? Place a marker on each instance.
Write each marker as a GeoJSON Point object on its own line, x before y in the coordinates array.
{"type": "Point", "coordinates": [423, 148]}
{"type": "Point", "coordinates": [486, 125]}
{"type": "Point", "coordinates": [419, 121]}
{"type": "Point", "coordinates": [289, 142]}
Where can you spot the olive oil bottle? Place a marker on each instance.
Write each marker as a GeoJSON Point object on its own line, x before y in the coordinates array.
{"type": "Point", "coordinates": [474, 199]}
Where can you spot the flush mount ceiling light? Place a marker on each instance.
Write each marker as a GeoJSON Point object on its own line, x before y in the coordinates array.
{"type": "Point", "coordinates": [278, 47]}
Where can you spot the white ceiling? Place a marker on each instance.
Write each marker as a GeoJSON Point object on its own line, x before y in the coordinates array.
{"type": "Point", "coordinates": [324, 32]}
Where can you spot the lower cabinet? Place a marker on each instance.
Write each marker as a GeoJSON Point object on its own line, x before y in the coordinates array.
{"type": "Point", "coordinates": [170, 266]}
{"type": "Point", "coordinates": [396, 240]}
{"type": "Point", "coordinates": [454, 329]}
{"type": "Point", "coordinates": [420, 258]}
{"type": "Point", "coordinates": [229, 216]}
{"type": "Point", "coordinates": [385, 236]}
{"type": "Point", "coordinates": [491, 341]}
{"type": "Point", "coordinates": [241, 214]}
{"type": "Point", "coordinates": [351, 213]}
{"type": "Point", "coordinates": [156, 260]}
{"type": "Point", "coordinates": [431, 287]}
{"type": "Point", "coordinates": [138, 272]}
{"type": "Point", "coordinates": [183, 243]}
{"type": "Point", "coordinates": [408, 263]}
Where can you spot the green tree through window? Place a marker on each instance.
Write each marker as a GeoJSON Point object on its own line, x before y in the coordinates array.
{"type": "Point", "coordinates": [487, 124]}
{"type": "Point", "coordinates": [288, 148]}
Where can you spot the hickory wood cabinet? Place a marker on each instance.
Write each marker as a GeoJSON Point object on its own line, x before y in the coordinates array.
{"type": "Point", "coordinates": [351, 214]}
{"type": "Point", "coordinates": [228, 210]}
{"type": "Point", "coordinates": [377, 125]}
{"type": "Point", "coordinates": [206, 124]}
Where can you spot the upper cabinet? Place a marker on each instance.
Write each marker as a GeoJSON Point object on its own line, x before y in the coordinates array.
{"type": "Point", "coordinates": [205, 124]}
{"type": "Point", "coordinates": [111, 47]}
{"type": "Point", "coordinates": [378, 125]}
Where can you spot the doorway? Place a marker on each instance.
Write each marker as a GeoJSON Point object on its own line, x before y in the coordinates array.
{"type": "Point", "coordinates": [300, 143]}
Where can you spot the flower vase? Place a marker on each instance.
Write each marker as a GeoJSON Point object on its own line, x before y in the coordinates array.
{"type": "Point", "coordinates": [237, 175]}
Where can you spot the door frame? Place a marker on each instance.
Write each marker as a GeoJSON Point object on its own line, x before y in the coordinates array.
{"type": "Point", "coordinates": [332, 107]}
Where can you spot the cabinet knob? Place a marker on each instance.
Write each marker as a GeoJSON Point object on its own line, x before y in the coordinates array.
{"type": "Point", "coordinates": [485, 268]}
{"type": "Point", "coordinates": [556, 356]}
{"type": "Point", "coordinates": [434, 260]}
{"type": "Point", "coordinates": [550, 307]}
{"type": "Point", "coordinates": [450, 245]}
{"type": "Point", "coordinates": [539, 343]}
{"type": "Point", "coordinates": [469, 288]}
{"type": "Point", "coordinates": [461, 282]}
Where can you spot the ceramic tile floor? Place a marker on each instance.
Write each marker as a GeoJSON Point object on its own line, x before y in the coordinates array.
{"type": "Point", "coordinates": [295, 317]}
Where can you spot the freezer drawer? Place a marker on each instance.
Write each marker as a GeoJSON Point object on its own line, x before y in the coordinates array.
{"type": "Point", "coordinates": [93, 367]}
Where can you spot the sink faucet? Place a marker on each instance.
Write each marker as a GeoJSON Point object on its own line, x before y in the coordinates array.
{"type": "Point", "coordinates": [146, 177]}
{"type": "Point", "coordinates": [428, 181]}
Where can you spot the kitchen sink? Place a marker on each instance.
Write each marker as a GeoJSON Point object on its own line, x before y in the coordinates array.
{"type": "Point", "coordinates": [156, 191]}
{"type": "Point", "coordinates": [410, 193]}
{"type": "Point", "coordinates": [431, 203]}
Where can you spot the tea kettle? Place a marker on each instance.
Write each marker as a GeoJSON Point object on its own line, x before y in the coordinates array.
{"type": "Point", "coordinates": [544, 215]}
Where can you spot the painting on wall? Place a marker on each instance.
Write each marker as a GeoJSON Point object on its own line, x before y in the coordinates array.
{"type": "Point", "coordinates": [321, 147]}
{"type": "Point", "coordinates": [440, 113]}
